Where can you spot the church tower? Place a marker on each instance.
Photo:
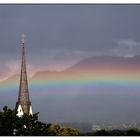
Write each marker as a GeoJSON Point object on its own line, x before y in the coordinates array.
{"type": "Point", "coordinates": [23, 104]}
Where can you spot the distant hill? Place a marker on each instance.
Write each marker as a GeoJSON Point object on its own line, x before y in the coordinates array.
{"type": "Point", "coordinates": [103, 64]}
{"type": "Point", "coordinates": [106, 61]}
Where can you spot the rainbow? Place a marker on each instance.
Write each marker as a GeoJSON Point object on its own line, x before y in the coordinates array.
{"type": "Point", "coordinates": [100, 82]}
{"type": "Point", "coordinates": [101, 79]}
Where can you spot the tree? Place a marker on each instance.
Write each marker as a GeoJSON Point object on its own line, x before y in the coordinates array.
{"type": "Point", "coordinates": [102, 132]}
{"type": "Point", "coordinates": [117, 132]}
{"type": "Point", "coordinates": [57, 130]}
{"type": "Point", "coordinates": [28, 125]}
{"type": "Point", "coordinates": [133, 132]}
{"type": "Point", "coordinates": [7, 119]}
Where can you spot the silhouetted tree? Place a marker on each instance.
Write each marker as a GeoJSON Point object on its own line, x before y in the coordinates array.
{"type": "Point", "coordinates": [117, 132]}
{"type": "Point", "coordinates": [28, 125]}
{"type": "Point", "coordinates": [7, 121]}
{"type": "Point", "coordinates": [102, 132]}
{"type": "Point", "coordinates": [133, 132]}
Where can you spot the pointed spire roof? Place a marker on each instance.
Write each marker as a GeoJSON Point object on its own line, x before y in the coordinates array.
{"type": "Point", "coordinates": [23, 97]}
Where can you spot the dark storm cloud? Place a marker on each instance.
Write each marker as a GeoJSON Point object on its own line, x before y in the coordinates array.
{"type": "Point", "coordinates": [58, 36]}
{"type": "Point", "coordinates": [91, 29]}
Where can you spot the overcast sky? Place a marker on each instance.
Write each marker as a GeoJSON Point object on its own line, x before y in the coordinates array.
{"type": "Point", "coordinates": [58, 36]}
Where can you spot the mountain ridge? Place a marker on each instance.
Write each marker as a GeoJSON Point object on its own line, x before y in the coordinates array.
{"type": "Point", "coordinates": [85, 64]}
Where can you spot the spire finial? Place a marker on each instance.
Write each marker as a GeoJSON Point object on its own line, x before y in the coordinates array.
{"type": "Point", "coordinates": [23, 38]}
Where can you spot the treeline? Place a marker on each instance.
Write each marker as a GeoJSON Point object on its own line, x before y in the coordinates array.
{"type": "Point", "coordinates": [29, 125]}
{"type": "Point", "coordinates": [103, 132]}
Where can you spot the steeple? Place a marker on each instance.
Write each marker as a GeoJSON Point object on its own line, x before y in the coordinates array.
{"type": "Point", "coordinates": [23, 104]}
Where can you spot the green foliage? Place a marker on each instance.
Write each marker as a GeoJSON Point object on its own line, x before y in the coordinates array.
{"type": "Point", "coordinates": [117, 133]}
{"type": "Point", "coordinates": [7, 119]}
{"type": "Point", "coordinates": [28, 125]}
{"type": "Point", "coordinates": [63, 131]}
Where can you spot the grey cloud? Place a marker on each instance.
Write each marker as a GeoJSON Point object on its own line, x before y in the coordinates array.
{"type": "Point", "coordinates": [126, 48]}
{"type": "Point", "coordinates": [91, 29]}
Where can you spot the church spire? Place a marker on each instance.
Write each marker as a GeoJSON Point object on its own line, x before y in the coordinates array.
{"type": "Point", "coordinates": [23, 104]}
